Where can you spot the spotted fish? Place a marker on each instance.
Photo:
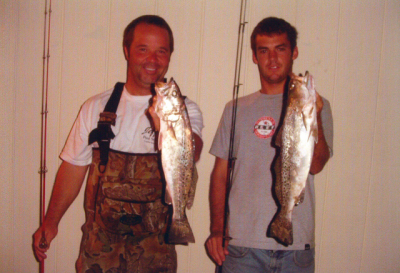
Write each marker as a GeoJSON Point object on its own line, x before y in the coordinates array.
{"type": "Point", "coordinates": [177, 156]}
{"type": "Point", "coordinates": [296, 139]}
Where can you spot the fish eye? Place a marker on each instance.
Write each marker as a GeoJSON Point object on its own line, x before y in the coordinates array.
{"type": "Point", "coordinates": [174, 94]}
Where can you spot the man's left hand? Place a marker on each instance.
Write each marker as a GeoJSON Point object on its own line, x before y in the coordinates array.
{"type": "Point", "coordinates": [153, 114]}
{"type": "Point", "coordinates": [319, 103]}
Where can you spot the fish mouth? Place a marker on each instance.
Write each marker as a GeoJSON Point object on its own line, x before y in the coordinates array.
{"type": "Point", "coordinates": [309, 81]}
{"type": "Point", "coordinates": [162, 87]}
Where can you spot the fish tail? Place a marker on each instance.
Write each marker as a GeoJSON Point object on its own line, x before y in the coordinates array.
{"type": "Point", "coordinates": [180, 232]}
{"type": "Point", "coordinates": [281, 229]}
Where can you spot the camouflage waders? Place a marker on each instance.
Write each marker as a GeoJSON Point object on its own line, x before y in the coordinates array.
{"type": "Point", "coordinates": [126, 220]}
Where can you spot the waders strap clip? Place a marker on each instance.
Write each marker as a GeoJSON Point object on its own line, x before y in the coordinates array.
{"type": "Point", "coordinates": [103, 133]}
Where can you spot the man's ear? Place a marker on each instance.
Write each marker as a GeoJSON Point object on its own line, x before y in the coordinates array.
{"type": "Point", "coordinates": [255, 58]}
{"type": "Point", "coordinates": [126, 52]}
{"type": "Point", "coordinates": [295, 53]}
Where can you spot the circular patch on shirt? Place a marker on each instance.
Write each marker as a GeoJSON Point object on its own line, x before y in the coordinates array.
{"type": "Point", "coordinates": [264, 127]}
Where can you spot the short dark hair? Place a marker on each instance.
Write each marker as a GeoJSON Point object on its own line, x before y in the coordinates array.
{"type": "Point", "coordinates": [150, 20]}
{"type": "Point", "coordinates": [273, 25]}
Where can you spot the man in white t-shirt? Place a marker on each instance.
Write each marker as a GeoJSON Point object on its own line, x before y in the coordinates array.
{"type": "Point", "coordinates": [126, 219]}
{"type": "Point", "coordinates": [251, 202]}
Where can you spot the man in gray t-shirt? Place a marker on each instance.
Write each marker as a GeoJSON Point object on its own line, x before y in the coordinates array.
{"type": "Point", "coordinates": [251, 204]}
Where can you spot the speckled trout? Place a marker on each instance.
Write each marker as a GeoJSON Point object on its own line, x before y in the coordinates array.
{"type": "Point", "coordinates": [176, 143]}
{"type": "Point", "coordinates": [296, 139]}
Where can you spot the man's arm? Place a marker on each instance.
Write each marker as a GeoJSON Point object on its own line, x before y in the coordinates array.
{"type": "Point", "coordinates": [321, 149]}
{"type": "Point", "coordinates": [68, 183]}
{"type": "Point", "coordinates": [219, 179]}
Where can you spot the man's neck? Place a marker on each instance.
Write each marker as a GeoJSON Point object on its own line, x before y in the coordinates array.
{"type": "Point", "coordinates": [136, 90]}
{"type": "Point", "coordinates": [272, 88]}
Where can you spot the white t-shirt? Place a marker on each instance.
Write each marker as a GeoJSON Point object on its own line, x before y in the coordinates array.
{"type": "Point", "coordinates": [133, 132]}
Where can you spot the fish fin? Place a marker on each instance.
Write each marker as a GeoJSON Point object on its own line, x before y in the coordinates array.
{"type": "Point", "coordinates": [315, 131]}
{"type": "Point", "coordinates": [305, 114]}
{"type": "Point", "coordinates": [311, 127]}
{"type": "Point", "coordinates": [301, 197]}
{"type": "Point", "coordinates": [281, 229]}
{"type": "Point", "coordinates": [160, 136]}
{"type": "Point", "coordinates": [168, 196]}
{"type": "Point", "coordinates": [180, 232]}
{"type": "Point", "coordinates": [305, 122]}
{"type": "Point", "coordinates": [170, 130]}
{"type": "Point", "coordinates": [192, 189]}
{"type": "Point", "coordinates": [315, 135]}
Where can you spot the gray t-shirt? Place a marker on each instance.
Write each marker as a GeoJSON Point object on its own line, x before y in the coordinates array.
{"type": "Point", "coordinates": [251, 204]}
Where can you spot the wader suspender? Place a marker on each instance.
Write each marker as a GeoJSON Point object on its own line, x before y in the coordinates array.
{"type": "Point", "coordinates": [103, 133]}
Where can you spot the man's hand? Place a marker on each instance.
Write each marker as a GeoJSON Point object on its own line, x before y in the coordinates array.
{"type": "Point", "coordinates": [218, 186]}
{"type": "Point", "coordinates": [319, 103]}
{"type": "Point", "coordinates": [321, 150]}
{"type": "Point", "coordinates": [215, 249]}
{"type": "Point", "coordinates": [49, 234]}
{"type": "Point", "coordinates": [154, 117]}
{"type": "Point", "coordinates": [68, 182]}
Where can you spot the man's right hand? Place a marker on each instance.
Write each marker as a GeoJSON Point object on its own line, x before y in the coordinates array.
{"type": "Point", "coordinates": [215, 249]}
{"type": "Point", "coordinates": [49, 234]}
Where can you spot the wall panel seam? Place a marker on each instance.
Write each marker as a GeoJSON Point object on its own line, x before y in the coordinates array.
{"type": "Point", "coordinates": [60, 73]}
{"type": "Point", "coordinates": [198, 100]}
{"type": "Point", "coordinates": [60, 91]}
{"type": "Point", "coordinates": [107, 53]}
{"type": "Point", "coordinates": [156, 7]}
{"type": "Point", "coordinates": [201, 52]}
{"type": "Point", "coordinates": [335, 82]}
{"type": "Point", "coordinates": [247, 51]}
{"type": "Point", "coordinates": [363, 250]}
{"type": "Point", "coordinates": [15, 14]}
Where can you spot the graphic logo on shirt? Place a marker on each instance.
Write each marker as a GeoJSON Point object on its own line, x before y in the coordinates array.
{"type": "Point", "coordinates": [149, 135]}
{"type": "Point", "coordinates": [264, 127]}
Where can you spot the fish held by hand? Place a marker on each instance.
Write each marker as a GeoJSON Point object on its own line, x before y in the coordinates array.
{"type": "Point", "coordinates": [296, 140]}
{"type": "Point", "coordinates": [176, 143]}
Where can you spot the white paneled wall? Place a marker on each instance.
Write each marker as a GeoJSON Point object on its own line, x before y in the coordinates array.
{"type": "Point", "coordinates": [351, 47]}
{"type": "Point", "coordinates": [381, 240]}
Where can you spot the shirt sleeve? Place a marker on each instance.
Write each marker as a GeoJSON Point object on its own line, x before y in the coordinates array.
{"type": "Point", "coordinates": [220, 145]}
{"type": "Point", "coordinates": [195, 117]}
{"type": "Point", "coordinates": [77, 151]}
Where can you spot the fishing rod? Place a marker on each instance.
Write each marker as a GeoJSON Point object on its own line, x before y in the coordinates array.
{"type": "Point", "coordinates": [236, 87]}
{"type": "Point", "coordinates": [43, 138]}
{"type": "Point", "coordinates": [237, 83]}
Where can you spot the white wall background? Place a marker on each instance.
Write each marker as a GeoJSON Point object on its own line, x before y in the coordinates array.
{"type": "Point", "coordinates": [352, 47]}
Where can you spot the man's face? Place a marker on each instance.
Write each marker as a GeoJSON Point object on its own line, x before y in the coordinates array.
{"type": "Point", "coordinates": [148, 57]}
{"type": "Point", "coordinates": [274, 57]}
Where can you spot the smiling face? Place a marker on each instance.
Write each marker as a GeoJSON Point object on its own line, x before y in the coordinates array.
{"type": "Point", "coordinates": [148, 58]}
{"type": "Point", "coordinates": [274, 58]}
